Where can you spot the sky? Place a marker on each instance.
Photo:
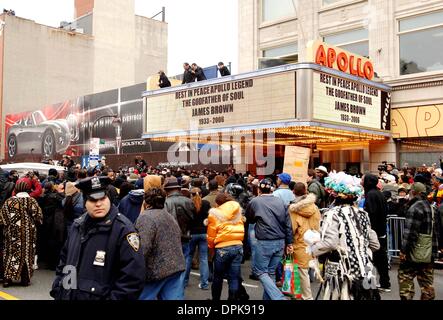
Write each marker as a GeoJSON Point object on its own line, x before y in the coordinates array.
{"type": "Point", "coordinates": [200, 31]}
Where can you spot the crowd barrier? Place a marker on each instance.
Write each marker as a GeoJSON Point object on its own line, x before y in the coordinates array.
{"type": "Point", "coordinates": [395, 228]}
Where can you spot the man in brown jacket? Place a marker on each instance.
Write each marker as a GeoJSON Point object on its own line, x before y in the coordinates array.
{"type": "Point", "coordinates": [213, 192]}
{"type": "Point", "coordinates": [304, 216]}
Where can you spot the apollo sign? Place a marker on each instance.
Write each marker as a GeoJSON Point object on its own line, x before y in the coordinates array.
{"type": "Point", "coordinates": [339, 59]}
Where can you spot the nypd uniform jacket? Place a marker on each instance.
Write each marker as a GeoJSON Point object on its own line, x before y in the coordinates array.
{"type": "Point", "coordinates": [107, 257]}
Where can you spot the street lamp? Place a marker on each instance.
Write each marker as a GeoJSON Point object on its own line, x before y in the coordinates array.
{"type": "Point", "coordinates": [116, 123]}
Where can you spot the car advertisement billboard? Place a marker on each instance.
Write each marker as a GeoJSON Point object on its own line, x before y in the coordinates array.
{"type": "Point", "coordinates": [66, 128]}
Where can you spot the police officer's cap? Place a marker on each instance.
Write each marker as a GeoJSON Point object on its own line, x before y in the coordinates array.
{"type": "Point", "coordinates": [94, 187]}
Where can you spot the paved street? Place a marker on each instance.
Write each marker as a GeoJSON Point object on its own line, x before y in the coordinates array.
{"type": "Point", "coordinates": [42, 280]}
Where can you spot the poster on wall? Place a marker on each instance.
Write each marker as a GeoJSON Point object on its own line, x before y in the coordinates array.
{"type": "Point", "coordinates": [65, 128]}
{"type": "Point", "coordinates": [297, 162]}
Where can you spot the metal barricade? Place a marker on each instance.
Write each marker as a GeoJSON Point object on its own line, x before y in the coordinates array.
{"type": "Point", "coordinates": [395, 229]}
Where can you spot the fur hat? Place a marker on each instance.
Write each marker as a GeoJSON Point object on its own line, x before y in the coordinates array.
{"type": "Point", "coordinates": [343, 185]}
{"type": "Point", "coordinates": [70, 189]}
{"type": "Point", "coordinates": [151, 181]}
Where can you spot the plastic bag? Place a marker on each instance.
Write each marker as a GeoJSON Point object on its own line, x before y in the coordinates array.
{"type": "Point", "coordinates": [291, 278]}
{"type": "Point", "coordinates": [311, 236]}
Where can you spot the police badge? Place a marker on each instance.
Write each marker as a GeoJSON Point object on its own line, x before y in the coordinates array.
{"type": "Point", "coordinates": [134, 241]}
{"type": "Point", "coordinates": [99, 258]}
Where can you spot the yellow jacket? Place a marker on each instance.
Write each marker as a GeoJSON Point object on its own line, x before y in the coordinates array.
{"type": "Point", "coordinates": [225, 225]}
{"type": "Point", "coordinates": [304, 216]}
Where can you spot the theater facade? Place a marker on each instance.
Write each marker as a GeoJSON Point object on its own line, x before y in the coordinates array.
{"type": "Point", "coordinates": [341, 116]}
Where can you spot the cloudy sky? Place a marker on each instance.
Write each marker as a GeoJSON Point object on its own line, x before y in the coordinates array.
{"type": "Point", "coordinates": [201, 31]}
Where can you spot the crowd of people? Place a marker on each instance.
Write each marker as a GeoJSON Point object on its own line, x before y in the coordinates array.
{"type": "Point", "coordinates": [137, 233]}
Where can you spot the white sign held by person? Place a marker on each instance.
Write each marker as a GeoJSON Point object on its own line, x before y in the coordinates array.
{"type": "Point", "coordinates": [297, 162]}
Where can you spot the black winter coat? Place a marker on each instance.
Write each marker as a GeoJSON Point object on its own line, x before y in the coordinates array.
{"type": "Point", "coordinates": [183, 210]}
{"type": "Point", "coordinates": [188, 76]}
{"type": "Point", "coordinates": [107, 257]}
{"type": "Point", "coordinates": [375, 205]}
{"type": "Point", "coordinates": [224, 71]}
{"type": "Point", "coordinates": [199, 74]}
{"type": "Point", "coordinates": [164, 81]}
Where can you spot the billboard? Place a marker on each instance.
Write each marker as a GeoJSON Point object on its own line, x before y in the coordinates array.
{"type": "Point", "coordinates": [65, 128]}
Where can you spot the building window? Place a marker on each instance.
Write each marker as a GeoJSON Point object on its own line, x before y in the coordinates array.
{"type": "Point", "coordinates": [355, 41]}
{"type": "Point", "coordinates": [277, 9]}
{"type": "Point", "coordinates": [328, 2]}
{"type": "Point", "coordinates": [425, 31]}
{"type": "Point", "coordinates": [279, 56]}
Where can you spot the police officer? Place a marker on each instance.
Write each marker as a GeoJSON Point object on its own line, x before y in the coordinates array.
{"type": "Point", "coordinates": [102, 258]}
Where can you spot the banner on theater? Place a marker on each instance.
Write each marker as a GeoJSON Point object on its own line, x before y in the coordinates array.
{"type": "Point", "coordinates": [427, 121]}
{"type": "Point", "coordinates": [351, 103]}
{"type": "Point", "coordinates": [234, 103]}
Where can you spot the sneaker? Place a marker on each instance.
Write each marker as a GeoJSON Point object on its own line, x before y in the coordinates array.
{"type": "Point", "coordinates": [384, 289]}
{"type": "Point", "coordinates": [203, 288]}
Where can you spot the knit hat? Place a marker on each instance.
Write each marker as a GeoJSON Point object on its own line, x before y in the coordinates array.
{"type": "Point", "coordinates": [70, 189]}
{"type": "Point", "coordinates": [52, 172]}
{"type": "Point", "coordinates": [265, 184]}
{"type": "Point", "coordinates": [133, 177]}
{"type": "Point", "coordinates": [418, 187]}
{"type": "Point", "coordinates": [22, 186]}
{"type": "Point", "coordinates": [139, 183]}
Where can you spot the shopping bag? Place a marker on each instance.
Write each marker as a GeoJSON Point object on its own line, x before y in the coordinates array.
{"type": "Point", "coordinates": [291, 278]}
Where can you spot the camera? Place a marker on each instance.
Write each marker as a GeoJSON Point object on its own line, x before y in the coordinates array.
{"type": "Point", "coordinates": [383, 167]}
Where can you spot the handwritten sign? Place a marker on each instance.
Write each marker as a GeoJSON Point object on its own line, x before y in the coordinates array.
{"type": "Point", "coordinates": [297, 162]}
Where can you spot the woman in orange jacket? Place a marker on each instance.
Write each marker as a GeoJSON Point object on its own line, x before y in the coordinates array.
{"type": "Point", "coordinates": [225, 235]}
